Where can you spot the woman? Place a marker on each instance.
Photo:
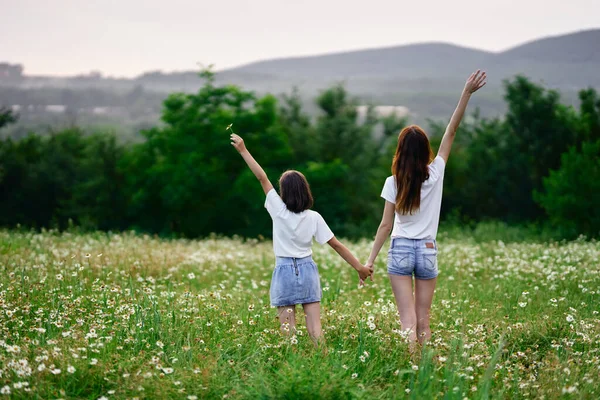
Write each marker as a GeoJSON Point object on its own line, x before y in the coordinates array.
{"type": "Point", "coordinates": [413, 197]}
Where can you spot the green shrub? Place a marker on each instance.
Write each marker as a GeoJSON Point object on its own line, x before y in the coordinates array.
{"type": "Point", "coordinates": [572, 193]}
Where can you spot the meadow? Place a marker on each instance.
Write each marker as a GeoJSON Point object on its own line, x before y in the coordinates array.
{"type": "Point", "coordinates": [124, 315]}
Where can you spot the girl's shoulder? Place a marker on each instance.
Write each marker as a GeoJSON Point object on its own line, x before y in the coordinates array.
{"type": "Point", "coordinates": [312, 213]}
{"type": "Point", "coordinates": [314, 216]}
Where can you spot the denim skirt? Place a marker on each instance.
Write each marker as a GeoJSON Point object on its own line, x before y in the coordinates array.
{"type": "Point", "coordinates": [295, 281]}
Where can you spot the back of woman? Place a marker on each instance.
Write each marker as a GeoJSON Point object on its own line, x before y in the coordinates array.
{"type": "Point", "coordinates": [422, 223]}
{"type": "Point", "coordinates": [413, 199]}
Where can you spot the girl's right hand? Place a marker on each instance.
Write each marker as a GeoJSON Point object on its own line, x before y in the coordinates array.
{"type": "Point", "coordinates": [365, 272]}
{"type": "Point", "coordinates": [237, 142]}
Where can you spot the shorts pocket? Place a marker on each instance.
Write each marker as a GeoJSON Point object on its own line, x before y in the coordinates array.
{"type": "Point", "coordinates": [430, 261]}
{"type": "Point", "coordinates": [401, 259]}
{"type": "Point", "coordinates": [400, 262]}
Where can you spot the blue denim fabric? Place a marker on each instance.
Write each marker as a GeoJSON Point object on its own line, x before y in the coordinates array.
{"type": "Point", "coordinates": [412, 256]}
{"type": "Point", "coordinates": [295, 281]}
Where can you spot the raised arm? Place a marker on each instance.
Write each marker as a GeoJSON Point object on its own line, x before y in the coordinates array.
{"type": "Point", "coordinates": [238, 143]}
{"type": "Point", "coordinates": [385, 227]}
{"type": "Point", "coordinates": [475, 82]}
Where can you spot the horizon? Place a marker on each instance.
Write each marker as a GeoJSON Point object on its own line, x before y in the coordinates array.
{"type": "Point", "coordinates": [333, 52]}
{"type": "Point", "coordinates": [126, 39]}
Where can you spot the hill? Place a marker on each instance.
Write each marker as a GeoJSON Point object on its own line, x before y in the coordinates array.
{"type": "Point", "coordinates": [560, 61]}
{"type": "Point", "coordinates": [423, 77]}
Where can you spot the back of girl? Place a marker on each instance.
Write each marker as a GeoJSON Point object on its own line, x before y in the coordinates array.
{"type": "Point", "coordinates": [413, 198]}
{"type": "Point", "coordinates": [296, 277]}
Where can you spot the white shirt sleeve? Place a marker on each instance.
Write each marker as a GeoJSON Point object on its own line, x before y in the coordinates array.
{"type": "Point", "coordinates": [389, 190]}
{"type": "Point", "coordinates": [436, 168]}
{"type": "Point", "coordinates": [322, 234]}
{"type": "Point", "coordinates": [273, 203]}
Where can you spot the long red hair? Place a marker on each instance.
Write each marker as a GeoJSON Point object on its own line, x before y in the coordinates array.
{"type": "Point", "coordinates": [409, 168]}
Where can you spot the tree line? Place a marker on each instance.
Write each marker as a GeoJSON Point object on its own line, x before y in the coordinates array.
{"type": "Point", "coordinates": [538, 163]}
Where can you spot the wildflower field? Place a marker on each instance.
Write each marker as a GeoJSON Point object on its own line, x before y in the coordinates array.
{"type": "Point", "coordinates": [130, 316]}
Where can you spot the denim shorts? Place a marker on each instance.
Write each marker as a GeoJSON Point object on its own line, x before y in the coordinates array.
{"type": "Point", "coordinates": [413, 256]}
{"type": "Point", "coordinates": [295, 281]}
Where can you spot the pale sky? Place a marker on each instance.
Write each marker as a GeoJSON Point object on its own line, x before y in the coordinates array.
{"type": "Point", "coordinates": [128, 37]}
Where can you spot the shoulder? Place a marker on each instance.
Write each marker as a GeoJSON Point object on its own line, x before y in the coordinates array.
{"type": "Point", "coordinates": [389, 190]}
{"type": "Point", "coordinates": [273, 197]}
{"type": "Point", "coordinates": [316, 217]}
{"type": "Point", "coordinates": [390, 180]}
{"type": "Point", "coordinates": [436, 168]}
{"type": "Point", "coordinates": [390, 183]}
{"type": "Point", "coordinates": [438, 162]}
{"type": "Point", "coordinates": [272, 193]}
{"type": "Point", "coordinates": [313, 214]}
{"type": "Point", "coordinates": [273, 202]}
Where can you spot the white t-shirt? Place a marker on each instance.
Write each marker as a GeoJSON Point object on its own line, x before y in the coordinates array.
{"type": "Point", "coordinates": [293, 232]}
{"type": "Point", "coordinates": [422, 224]}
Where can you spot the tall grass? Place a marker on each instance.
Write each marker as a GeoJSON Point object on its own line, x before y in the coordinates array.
{"type": "Point", "coordinates": [131, 316]}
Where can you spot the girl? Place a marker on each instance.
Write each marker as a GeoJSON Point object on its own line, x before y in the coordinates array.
{"type": "Point", "coordinates": [296, 278]}
{"type": "Point", "coordinates": [413, 197]}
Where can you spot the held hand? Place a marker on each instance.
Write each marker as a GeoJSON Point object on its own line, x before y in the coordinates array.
{"type": "Point", "coordinates": [363, 273]}
{"type": "Point", "coordinates": [476, 81]}
{"type": "Point", "coordinates": [237, 142]}
{"type": "Point", "coordinates": [371, 269]}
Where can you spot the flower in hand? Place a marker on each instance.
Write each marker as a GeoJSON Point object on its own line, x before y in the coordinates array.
{"type": "Point", "coordinates": [237, 142]}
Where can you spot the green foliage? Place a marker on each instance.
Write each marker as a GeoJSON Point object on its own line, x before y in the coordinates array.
{"type": "Point", "coordinates": [343, 160]}
{"type": "Point", "coordinates": [590, 114]}
{"type": "Point", "coordinates": [497, 164]}
{"type": "Point", "coordinates": [572, 193]}
{"type": "Point", "coordinates": [539, 129]}
{"type": "Point", "coordinates": [65, 176]}
{"type": "Point", "coordinates": [7, 116]}
{"type": "Point", "coordinates": [185, 179]}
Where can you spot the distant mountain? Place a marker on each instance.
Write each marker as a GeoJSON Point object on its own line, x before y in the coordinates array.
{"type": "Point", "coordinates": [580, 47]}
{"type": "Point", "coordinates": [398, 61]}
{"type": "Point", "coordinates": [560, 61]}
{"type": "Point", "coordinates": [565, 61]}
{"type": "Point", "coordinates": [425, 78]}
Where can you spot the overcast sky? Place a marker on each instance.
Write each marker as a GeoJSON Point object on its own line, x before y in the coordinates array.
{"type": "Point", "coordinates": [127, 37]}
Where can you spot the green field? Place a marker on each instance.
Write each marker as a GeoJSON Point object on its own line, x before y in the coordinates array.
{"type": "Point", "coordinates": [132, 316]}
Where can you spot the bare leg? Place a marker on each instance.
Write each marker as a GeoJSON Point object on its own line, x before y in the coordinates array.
{"type": "Point", "coordinates": [424, 289]}
{"type": "Point", "coordinates": [287, 319]}
{"type": "Point", "coordinates": [313, 321]}
{"type": "Point", "coordinates": [402, 288]}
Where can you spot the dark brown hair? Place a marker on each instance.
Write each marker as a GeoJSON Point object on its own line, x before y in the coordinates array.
{"type": "Point", "coordinates": [295, 191]}
{"type": "Point", "coordinates": [409, 168]}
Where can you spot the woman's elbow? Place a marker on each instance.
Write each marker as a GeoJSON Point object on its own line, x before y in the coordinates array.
{"type": "Point", "coordinates": [385, 227]}
{"type": "Point", "coordinates": [262, 178]}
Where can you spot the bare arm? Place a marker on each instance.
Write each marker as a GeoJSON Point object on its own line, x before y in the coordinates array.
{"type": "Point", "coordinates": [385, 227]}
{"type": "Point", "coordinates": [363, 272]}
{"type": "Point", "coordinates": [475, 82]}
{"type": "Point", "coordinates": [255, 167]}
